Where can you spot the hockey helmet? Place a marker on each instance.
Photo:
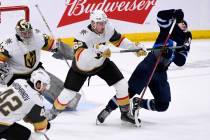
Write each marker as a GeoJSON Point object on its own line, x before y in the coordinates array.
{"type": "Point", "coordinates": [98, 16]}
{"type": "Point", "coordinates": [98, 21]}
{"type": "Point", "coordinates": [24, 29]}
{"type": "Point", "coordinates": [40, 77]}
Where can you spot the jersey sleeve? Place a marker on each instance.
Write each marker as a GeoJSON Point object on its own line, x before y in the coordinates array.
{"type": "Point", "coordinates": [182, 53]}
{"type": "Point", "coordinates": [4, 53]}
{"type": "Point", "coordinates": [37, 118]}
{"type": "Point", "coordinates": [49, 42]}
{"type": "Point", "coordinates": [120, 41]}
{"type": "Point", "coordinates": [79, 47]}
{"type": "Point", "coordinates": [164, 18]}
{"type": "Point", "coordinates": [116, 39]}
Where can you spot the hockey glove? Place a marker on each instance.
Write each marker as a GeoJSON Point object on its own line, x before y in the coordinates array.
{"type": "Point", "coordinates": [103, 51]}
{"type": "Point", "coordinates": [178, 15]}
{"type": "Point", "coordinates": [142, 51]}
{"type": "Point", "coordinates": [188, 40]}
{"type": "Point", "coordinates": [5, 73]}
{"type": "Point", "coordinates": [186, 45]}
{"type": "Point", "coordinates": [167, 52]}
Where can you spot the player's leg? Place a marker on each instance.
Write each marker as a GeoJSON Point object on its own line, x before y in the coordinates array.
{"type": "Point", "coordinates": [113, 77]}
{"type": "Point", "coordinates": [72, 85]}
{"type": "Point", "coordinates": [136, 84]}
{"type": "Point", "coordinates": [16, 132]}
{"type": "Point", "coordinates": [56, 86]}
{"type": "Point", "coordinates": [160, 90]}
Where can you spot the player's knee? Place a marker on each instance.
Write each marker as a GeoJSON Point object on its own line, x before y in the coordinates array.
{"type": "Point", "coordinates": [121, 88]}
{"type": "Point", "coordinates": [162, 106]}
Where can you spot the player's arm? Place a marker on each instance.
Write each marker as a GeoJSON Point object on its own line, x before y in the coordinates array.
{"type": "Point", "coordinates": [5, 69]}
{"type": "Point", "coordinates": [80, 48]}
{"type": "Point", "coordinates": [121, 41]}
{"type": "Point", "coordinates": [49, 43]}
{"type": "Point", "coordinates": [37, 118]}
{"type": "Point", "coordinates": [182, 53]}
{"type": "Point", "coordinates": [4, 53]}
{"type": "Point", "coordinates": [164, 18]}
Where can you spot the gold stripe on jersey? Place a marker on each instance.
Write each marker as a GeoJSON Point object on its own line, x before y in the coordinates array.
{"type": "Point", "coordinates": [3, 57]}
{"type": "Point", "coordinates": [59, 106]}
{"type": "Point", "coordinates": [118, 42]}
{"type": "Point", "coordinates": [78, 52]}
{"type": "Point", "coordinates": [123, 101]}
{"type": "Point", "coordinates": [5, 124]}
{"type": "Point", "coordinates": [116, 38]}
{"type": "Point", "coordinates": [39, 126]}
{"type": "Point", "coordinates": [49, 41]}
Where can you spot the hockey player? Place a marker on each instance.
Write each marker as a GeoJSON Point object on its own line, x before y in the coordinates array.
{"type": "Point", "coordinates": [159, 85]}
{"type": "Point", "coordinates": [22, 54]}
{"type": "Point", "coordinates": [23, 100]}
{"type": "Point", "coordinates": [92, 58]}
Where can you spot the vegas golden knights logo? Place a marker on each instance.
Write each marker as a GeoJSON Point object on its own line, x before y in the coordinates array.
{"type": "Point", "coordinates": [30, 59]}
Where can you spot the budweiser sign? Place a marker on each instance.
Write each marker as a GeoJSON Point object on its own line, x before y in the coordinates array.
{"type": "Point", "coordinates": [135, 11]}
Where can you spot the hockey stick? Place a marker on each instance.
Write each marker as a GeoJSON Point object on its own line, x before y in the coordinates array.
{"type": "Point", "coordinates": [48, 27]}
{"type": "Point", "coordinates": [46, 137]}
{"type": "Point", "coordinates": [148, 49]}
{"type": "Point", "coordinates": [154, 68]}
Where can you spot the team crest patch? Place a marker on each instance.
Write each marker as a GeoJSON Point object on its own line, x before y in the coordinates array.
{"type": "Point", "coordinates": [83, 32]}
{"type": "Point", "coordinates": [30, 59]}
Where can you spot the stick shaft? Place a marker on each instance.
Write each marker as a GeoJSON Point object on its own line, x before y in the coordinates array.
{"type": "Point", "coordinates": [47, 138]}
{"type": "Point", "coordinates": [48, 27]}
{"type": "Point", "coordinates": [157, 62]}
{"type": "Point", "coordinates": [43, 18]}
{"type": "Point", "coordinates": [148, 49]}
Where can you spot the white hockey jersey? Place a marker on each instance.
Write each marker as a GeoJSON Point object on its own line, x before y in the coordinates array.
{"type": "Point", "coordinates": [24, 57]}
{"type": "Point", "coordinates": [85, 46]}
{"type": "Point", "coordinates": [19, 100]}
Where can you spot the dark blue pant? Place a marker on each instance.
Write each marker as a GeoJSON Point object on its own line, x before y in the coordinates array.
{"type": "Point", "coordinates": [158, 85]}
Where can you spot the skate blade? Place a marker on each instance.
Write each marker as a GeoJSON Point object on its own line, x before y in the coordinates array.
{"type": "Point", "coordinates": [98, 122]}
{"type": "Point", "coordinates": [127, 124]}
{"type": "Point", "coordinates": [131, 107]}
{"type": "Point", "coordinates": [136, 117]}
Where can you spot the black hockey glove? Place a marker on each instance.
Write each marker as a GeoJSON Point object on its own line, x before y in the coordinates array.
{"type": "Point", "coordinates": [186, 45]}
{"type": "Point", "coordinates": [178, 15]}
{"type": "Point", "coordinates": [188, 41]}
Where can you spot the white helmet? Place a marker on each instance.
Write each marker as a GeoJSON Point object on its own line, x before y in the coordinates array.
{"type": "Point", "coordinates": [40, 76]}
{"type": "Point", "coordinates": [98, 16]}
{"type": "Point", "coordinates": [24, 29]}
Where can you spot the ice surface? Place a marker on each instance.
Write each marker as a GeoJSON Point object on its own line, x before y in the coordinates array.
{"type": "Point", "coordinates": [188, 117]}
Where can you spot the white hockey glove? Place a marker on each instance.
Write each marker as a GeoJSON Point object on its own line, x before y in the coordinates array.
{"type": "Point", "coordinates": [5, 73]}
{"type": "Point", "coordinates": [142, 51]}
{"type": "Point", "coordinates": [103, 51]}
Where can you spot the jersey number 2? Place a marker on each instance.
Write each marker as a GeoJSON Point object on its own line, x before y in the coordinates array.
{"type": "Point", "coordinates": [6, 106]}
